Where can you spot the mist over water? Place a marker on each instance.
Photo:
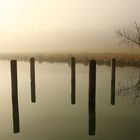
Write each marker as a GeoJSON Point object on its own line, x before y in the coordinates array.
{"type": "Point", "coordinates": [58, 25]}
{"type": "Point", "coordinates": [57, 41]}
{"type": "Point", "coordinates": [64, 75]}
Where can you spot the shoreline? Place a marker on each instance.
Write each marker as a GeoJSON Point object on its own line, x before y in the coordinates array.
{"type": "Point", "coordinates": [101, 58]}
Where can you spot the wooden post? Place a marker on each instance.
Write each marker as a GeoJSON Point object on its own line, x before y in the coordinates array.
{"type": "Point", "coordinates": [32, 73]}
{"type": "Point", "coordinates": [92, 118]}
{"type": "Point", "coordinates": [14, 85]}
{"type": "Point", "coordinates": [92, 97]}
{"type": "Point", "coordinates": [92, 80]}
{"type": "Point", "coordinates": [113, 81]}
{"type": "Point", "coordinates": [73, 80]}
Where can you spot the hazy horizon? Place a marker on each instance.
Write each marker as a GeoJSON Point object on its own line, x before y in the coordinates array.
{"type": "Point", "coordinates": [59, 25]}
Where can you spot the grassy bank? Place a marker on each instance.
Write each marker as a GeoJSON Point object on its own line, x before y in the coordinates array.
{"type": "Point", "coordinates": [122, 59]}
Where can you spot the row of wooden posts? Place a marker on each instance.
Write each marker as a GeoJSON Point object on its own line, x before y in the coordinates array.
{"type": "Point", "coordinates": [14, 85]}
{"type": "Point", "coordinates": [92, 90]}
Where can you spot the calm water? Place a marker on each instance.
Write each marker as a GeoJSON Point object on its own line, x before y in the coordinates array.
{"type": "Point", "coordinates": [53, 117]}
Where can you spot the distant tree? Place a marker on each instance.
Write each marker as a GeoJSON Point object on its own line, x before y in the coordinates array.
{"type": "Point", "coordinates": [130, 36]}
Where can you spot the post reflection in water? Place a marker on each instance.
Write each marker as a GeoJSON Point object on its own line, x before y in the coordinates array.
{"type": "Point", "coordinates": [73, 100]}
{"type": "Point", "coordinates": [32, 73]}
{"type": "Point", "coordinates": [93, 127]}
{"type": "Point", "coordinates": [92, 97]}
{"type": "Point", "coordinates": [113, 81]}
{"type": "Point", "coordinates": [16, 125]}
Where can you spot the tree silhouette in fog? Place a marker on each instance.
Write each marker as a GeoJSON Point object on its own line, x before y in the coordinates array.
{"type": "Point", "coordinates": [130, 36]}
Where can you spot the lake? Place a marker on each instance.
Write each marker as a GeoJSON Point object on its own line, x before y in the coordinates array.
{"type": "Point", "coordinates": [53, 117]}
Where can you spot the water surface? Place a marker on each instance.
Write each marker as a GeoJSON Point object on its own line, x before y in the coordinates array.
{"type": "Point", "coordinates": [53, 117]}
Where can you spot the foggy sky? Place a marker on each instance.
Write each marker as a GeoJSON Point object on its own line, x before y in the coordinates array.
{"type": "Point", "coordinates": [63, 24]}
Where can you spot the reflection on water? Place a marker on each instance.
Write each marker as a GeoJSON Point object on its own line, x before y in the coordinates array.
{"type": "Point", "coordinates": [92, 114]}
{"type": "Point", "coordinates": [132, 90]}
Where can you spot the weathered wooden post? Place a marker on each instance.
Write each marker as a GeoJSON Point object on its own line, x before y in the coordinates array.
{"type": "Point", "coordinates": [92, 97]}
{"type": "Point", "coordinates": [73, 77]}
{"type": "Point", "coordinates": [92, 118]}
{"type": "Point", "coordinates": [32, 73]}
{"type": "Point", "coordinates": [14, 85]}
{"type": "Point", "coordinates": [113, 81]}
